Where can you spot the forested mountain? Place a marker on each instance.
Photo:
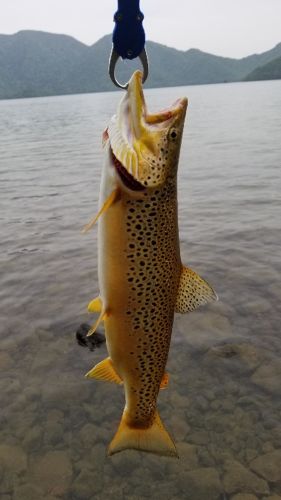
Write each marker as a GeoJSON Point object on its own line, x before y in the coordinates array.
{"type": "Point", "coordinates": [269, 71]}
{"type": "Point", "coordinates": [34, 63]}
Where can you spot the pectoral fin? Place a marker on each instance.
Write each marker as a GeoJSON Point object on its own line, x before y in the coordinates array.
{"type": "Point", "coordinates": [95, 306]}
{"type": "Point", "coordinates": [193, 292]}
{"type": "Point", "coordinates": [108, 202]}
{"type": "Point", "coordinates": [105, 371]}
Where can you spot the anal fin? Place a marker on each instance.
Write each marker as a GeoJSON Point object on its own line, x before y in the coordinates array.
{"type": "Point", "coordinates": [193, 292]}
{"type": "Point", "coordinates": [105, 371]}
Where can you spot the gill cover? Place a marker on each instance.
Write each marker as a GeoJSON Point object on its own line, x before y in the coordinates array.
{"type": "Point", "coordinates": [147, 145]}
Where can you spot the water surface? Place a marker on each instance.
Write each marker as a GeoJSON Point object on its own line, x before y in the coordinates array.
{"type": "Point", "coordinates": [223, 404]}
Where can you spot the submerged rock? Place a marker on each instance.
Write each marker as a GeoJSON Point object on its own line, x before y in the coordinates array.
{"type": "Point", "coordinates": [6, 362]}
{"type": "Point", "coordinates": [33, 438]}
{"type": "Point", "coordinates": [201, 484]}
{"type": "Point", "coordinates": [188, 457]}
{"type": "Point", "coordinates": [272, 497]}
{"type": "Point", "coordinates": [86, 485]}
{"type": "Point", "coordinates": [27, 492]}
{"type": "Point", "coordinates": [88, 435]}
{"type": "Point", "coordinates": [243, 357]}
{"type": "Point", "coordinates": [244, 496]}
{"type": "Point", "coordinates": [268, 466]}
{"type": "Point", "coordinates": [237, 478]}
{"type": "Point", "coordinates": [179, 425]}
{"type": "Point", "coordinates": [91, 342]}
{"type": "Point", "coordinates": [199, 437]}
{"type": "Point", "coordinates": [267, 376]}
{"type": "Point", "coordinates": [52, 473]}
{"type": "Point", "coordinates": [53, 433]}
{"type": "Point", "coordinates": [13, 458]}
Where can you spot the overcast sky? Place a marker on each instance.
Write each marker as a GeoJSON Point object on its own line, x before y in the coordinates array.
{"type": "Point", "coordinates": [234, 28]}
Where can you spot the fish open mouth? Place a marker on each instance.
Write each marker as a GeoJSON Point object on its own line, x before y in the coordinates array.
{"type": "Point", "coordinates": [128, 180]}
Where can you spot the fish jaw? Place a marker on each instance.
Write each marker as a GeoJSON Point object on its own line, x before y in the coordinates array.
{"type": "Point", "coordinates": [147, 145]}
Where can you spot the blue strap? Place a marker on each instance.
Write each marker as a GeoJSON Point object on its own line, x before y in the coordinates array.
{"type": "Point", "coordinates": [128, 35]}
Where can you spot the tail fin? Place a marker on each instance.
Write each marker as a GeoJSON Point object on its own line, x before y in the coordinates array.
{"type": "Point", "coordinates": [154, 439]}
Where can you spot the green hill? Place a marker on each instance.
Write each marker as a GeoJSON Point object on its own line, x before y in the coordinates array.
{"type": "Point", "coordinates": [269, 71]}
{"type": "Point", "coordinates": [34, 63]}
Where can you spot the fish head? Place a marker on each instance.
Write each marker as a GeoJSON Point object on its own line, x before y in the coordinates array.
{"type": "Point", "coordinates": [145, 147]}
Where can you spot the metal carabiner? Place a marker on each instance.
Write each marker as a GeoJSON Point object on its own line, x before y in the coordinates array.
{"type": "Point", "coordinates": [114, 56]}
{"type": "Point", "coordinates": [128, 38]}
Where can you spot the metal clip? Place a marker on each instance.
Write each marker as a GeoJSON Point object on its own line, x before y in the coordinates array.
{"type": "Point", "coordinates": [114, 56]}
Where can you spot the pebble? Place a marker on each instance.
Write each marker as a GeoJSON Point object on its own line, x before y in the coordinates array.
{"type": "Point", "coordinates": [268, 466]}
{"type": "Point", "coordinates": [244, 357]}
{"type": "Point", "coordinates": [201, 484]}
{"type": "Point", "coordinates": [53, 433]}
{"type": "Point", "coordinates": [202, 403]}
{"type": "Point", "coordinates": [55, 416]}
{"type": "Point", "coordinates": [13, 458]}
{"type": "Point", "coordinates": [267, 447]}
{"type": "Point", "coordinates": [250, 454]}
{"type": "Point", "coordinates": [98, 456]}
{"type": "Point", "coordinates": [33, 438]}
{"type": "Point", "coordinates": [86, 485]}
{"type": "Point", "coordinates": [162, 490]}
{"type": "Point", "coordinates": [244, 496]}
{"type": "Point", "coordinates": [188, 458]}
{"type": "Point", "coordinates": [89, 435]}
{"type": "Point", "coordinates": [32, 393]}
{"type": "Point", "coordinates": [179, 426]}
{"type": "Point", "coordinates": [238, 478]}
{"type": "Point", "coordinates": [268, 375]}
{"type": "Point", "coordinates": [6, 361]}
{"type": "Point", "coordinates": [199, 437]}
{"type": "Point", "coordinates": [126, 462]}
{"type": "Point", "coordinates": [272, 497]}
{"type": "Point", "coordinates": [258, 306]}
{"type": "Point", "coordinates": [179, 401]}
{"type": "Point", "coordinates": [205, 457]}
{"type": "Point", "coordinates": [27, 492]}
{"type": "Point", "coordinates": [52, 472]}
{"type": "Point", "coordinates": [7, 483]}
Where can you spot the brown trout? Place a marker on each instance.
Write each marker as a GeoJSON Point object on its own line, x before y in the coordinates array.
{"type": "Point", "coordinates": [141, 277]}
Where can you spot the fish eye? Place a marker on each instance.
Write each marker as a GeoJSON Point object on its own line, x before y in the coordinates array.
{"type": "Point", "coordinates": [173, 133]}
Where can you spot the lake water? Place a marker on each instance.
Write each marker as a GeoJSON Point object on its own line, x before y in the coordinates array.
{"type": "Point", "coordinates": [223, 403]}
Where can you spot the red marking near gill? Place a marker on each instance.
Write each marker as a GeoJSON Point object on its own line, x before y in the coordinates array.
{"type": "Point", "coordinates": [128, 180]}
{"type": "Point", "coordinates": [105, 136]}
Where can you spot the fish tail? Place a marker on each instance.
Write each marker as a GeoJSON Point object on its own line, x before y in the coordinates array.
{"type": "Point", "coordinates": [154, 439]}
